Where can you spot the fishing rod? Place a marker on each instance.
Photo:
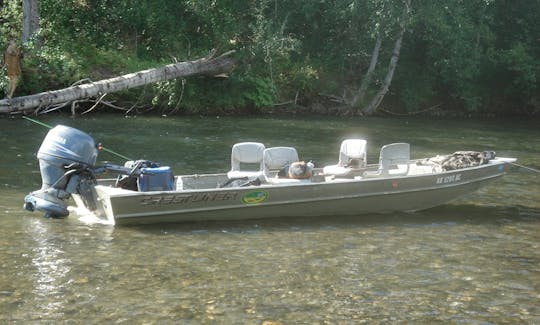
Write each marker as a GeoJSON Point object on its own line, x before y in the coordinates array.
{"type": "Point", "coordinates": [100, 147]}
{"type": "Point", "coordinates": [525, 167]}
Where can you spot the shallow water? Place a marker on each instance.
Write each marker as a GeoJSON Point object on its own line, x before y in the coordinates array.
{"type": "Point", "coordinates": [473, 261]}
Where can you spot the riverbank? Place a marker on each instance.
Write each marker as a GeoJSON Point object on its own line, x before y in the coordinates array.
{"type": "Point", "coordinates": [317, 109]}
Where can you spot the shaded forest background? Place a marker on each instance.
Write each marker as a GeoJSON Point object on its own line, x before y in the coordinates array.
{"type": "Point", "coordinates": [474, 57]}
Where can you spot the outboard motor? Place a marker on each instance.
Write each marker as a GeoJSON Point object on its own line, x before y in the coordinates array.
{"type": "Point", "coordinates": [66, 158]}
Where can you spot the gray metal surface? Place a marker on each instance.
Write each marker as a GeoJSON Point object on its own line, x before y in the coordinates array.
{"type": "Point", "coordinates": [323, 198]}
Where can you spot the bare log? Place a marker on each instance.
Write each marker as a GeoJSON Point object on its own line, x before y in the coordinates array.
{"type": "Point", "coordinates": [208, 66]}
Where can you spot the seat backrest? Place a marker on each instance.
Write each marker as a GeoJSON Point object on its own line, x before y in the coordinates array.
{"type": "Point", "coordinates": [247, 153]}
{"type": "Point", "coordinates": [353, 149]}
{"type": "Point", "coordinates": [278, 157]}
{"type": "Point", "coordinates": [392, 155]}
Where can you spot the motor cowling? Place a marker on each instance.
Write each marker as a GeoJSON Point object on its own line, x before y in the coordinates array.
{"type": "Point", "coordinates": [64, 156]}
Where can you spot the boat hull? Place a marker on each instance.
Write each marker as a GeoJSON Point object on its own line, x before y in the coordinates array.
{"type": "Point", "coordinates": [301, 199]}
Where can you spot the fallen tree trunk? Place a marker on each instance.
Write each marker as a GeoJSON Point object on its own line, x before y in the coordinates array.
{"type": "Point", "coordinates": [208, 66]}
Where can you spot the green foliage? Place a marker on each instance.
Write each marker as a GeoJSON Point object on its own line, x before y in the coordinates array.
{"type": "Point", "coordinates": [10, 15]}
{"type": "Point", "coordinates": [524, 68]}
{"type": "Point", "coordinates": [478, 56]}
{"type": "Point", "coordinates": [4, 84]}
{"type": "Point", "coordinates": [49, 66]}
{"type": "Point", "coordinates": [473, 56]}
{"type": "Point", "coordinates": [260, 93]}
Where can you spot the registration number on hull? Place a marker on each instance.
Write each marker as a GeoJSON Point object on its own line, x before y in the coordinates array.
{"type": "Point", "coordinates": [449, 179]}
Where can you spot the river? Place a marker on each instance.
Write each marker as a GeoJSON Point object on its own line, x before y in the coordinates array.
{"type": "Point", "coordinates": [473, 261]}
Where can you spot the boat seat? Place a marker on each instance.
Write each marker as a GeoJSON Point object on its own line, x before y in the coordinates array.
{"type": "Point", "coordinates": [394, 160]}
{"type": "Point", "coordinates": [247, 160]}
{"type": "Point", "coordinates": [276, 158]}
{"type": "Point", "coordinates": [352, 157]}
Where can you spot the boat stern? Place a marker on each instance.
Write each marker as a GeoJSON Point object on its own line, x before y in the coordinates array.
{"type": "Point", "coordinates": [96, 205]}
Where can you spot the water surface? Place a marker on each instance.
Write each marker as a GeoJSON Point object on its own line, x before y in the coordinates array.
{"type": "Point", "coordinates": [473, 261]}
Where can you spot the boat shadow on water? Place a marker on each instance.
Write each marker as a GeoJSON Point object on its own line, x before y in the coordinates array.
{"type": "Point", "coordinates": [445, 214]}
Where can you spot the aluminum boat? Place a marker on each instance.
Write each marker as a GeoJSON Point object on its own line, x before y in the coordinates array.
{"type": "Point", "coordinates": [262, 183]}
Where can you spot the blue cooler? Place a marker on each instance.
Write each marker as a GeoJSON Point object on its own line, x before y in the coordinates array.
{"type": "Point", "coordinates": [156, 179]}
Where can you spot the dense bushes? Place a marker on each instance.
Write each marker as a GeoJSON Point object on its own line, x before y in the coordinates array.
{"type": "Point", "coordinates": [465, 57]}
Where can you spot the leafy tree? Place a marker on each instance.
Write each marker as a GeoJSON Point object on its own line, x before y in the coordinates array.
{"type": "Point", "coordinates": [466, 57]}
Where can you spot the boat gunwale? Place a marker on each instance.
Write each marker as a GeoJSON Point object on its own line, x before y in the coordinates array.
{"type": "Point", "coordinates": [128, 193]}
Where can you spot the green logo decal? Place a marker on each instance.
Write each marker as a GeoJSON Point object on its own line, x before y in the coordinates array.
{"type": "Point", "coordinates": [254, 197]}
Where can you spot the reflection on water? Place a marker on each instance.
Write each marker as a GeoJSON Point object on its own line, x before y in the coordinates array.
{"type": "Point", "coordinates": [50, 269]}
{"type": "Point", "coordinates": [473, 261]}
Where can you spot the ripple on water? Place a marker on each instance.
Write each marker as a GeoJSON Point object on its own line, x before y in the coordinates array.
{"type": "Point", "coordinates": [473, 261]}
